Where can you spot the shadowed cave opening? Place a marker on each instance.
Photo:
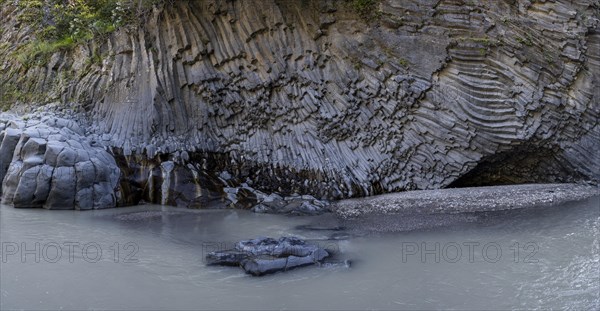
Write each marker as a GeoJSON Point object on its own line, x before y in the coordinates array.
{"type": "Point", "coordinates": [519, 166]}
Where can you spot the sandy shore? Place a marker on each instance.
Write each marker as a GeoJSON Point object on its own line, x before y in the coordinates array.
{"type": "Point", "coordinates": [412, 210]}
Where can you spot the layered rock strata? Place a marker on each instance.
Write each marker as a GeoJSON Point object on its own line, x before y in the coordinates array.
{"type": "Point", "coordinates": [307, 97]}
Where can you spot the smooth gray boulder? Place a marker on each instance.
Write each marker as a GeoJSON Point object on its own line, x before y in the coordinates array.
{"type": "Point", "coordinates": [48, 162]}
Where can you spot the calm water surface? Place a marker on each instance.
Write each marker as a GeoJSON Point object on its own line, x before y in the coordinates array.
{"type": "Point", "coordinates": [539, 258]}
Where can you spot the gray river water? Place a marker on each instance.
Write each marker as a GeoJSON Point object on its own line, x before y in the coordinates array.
{"type": "Point", "coordinates": [150, 257]}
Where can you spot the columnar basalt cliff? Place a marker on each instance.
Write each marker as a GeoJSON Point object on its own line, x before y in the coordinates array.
{"type": "Point", "coordinates": [309, 97]}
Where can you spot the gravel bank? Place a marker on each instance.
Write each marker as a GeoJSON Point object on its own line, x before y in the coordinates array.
{"type": "Point", "coordinates": [412, 210]}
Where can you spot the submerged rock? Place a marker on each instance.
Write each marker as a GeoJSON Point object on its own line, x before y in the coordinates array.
{"type": "Point", "coordinates": [266, 255]}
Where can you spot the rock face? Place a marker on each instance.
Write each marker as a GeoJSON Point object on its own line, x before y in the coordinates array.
{"type": "Point", "coordinates": [47, 162]}
{"type": "Point", "coordinates": [262, 256]}
{"type": "Point", "coordinates": [308, 97]}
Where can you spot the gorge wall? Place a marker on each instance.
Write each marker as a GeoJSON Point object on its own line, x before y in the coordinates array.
{"type": "Point", "coordinates": [310, 97]}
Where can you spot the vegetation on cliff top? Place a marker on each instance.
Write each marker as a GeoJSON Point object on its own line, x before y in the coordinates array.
{"type": "Point", "coordinates": [62, 24]}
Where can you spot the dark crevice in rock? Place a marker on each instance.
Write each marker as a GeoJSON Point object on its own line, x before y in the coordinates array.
{"type": "Point", "coordinates": [519, 166]}
{"type": "Point", "coordinates": [211, 180]}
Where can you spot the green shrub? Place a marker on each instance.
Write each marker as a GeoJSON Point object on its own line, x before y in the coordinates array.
{"type": "Point", "coordinates": [63, 24]}
{"type": "Point", "coordinates": [367, 9]}
{"type": "Point", "coordinates": [403, 62]}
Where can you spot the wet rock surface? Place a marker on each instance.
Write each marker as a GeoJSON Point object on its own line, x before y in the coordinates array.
{"type": "Point", "coordinates": [266, 255]}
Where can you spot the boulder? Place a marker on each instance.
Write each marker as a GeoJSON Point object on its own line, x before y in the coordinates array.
{"type": "Point", "coordinates": [45, 161]}
{"type": "Point", "coordinates": [264, 255]}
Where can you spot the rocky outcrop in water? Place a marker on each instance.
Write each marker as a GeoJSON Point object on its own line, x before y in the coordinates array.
{"type": "Point", "coordinates": [47, 162]}
{"type": "Point", "coordinates": [308, 97]}
{"type": "Point", "coordinates": [262, 256]}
